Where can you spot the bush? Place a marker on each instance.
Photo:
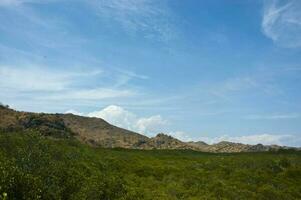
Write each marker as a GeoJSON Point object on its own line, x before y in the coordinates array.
{"type": "Point", "coordinates": [33, 166]}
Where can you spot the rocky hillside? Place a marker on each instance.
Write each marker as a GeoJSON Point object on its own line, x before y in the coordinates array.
{"type": "Point", "coordinates": [93, 131]}
{"type": "Point", "coordinates": [97, 132]}
{"type": "Point", "coordinates": [46, 124]}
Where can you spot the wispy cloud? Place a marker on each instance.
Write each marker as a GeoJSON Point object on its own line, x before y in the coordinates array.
{"type": "Point", "coordinates": [37, 31]}
{"type": "Point", "coordinates": [131, 74]}
{"type": "Point", "coordinates": [293, 69]}
{"type": "Point", "coordinates": [234, 88]}
{"type": "Point", "coordinates": [55, 87]}
{"type": "Point", "coordinates": [282, 22]}
{"type": "Point", "coordinates": [10, 3]}
{"type": "Point", "coordinates": [234, 85]}
{"type": "Point", "coordinates": [150, 18]}
{"type": "Point", "coordinates": [273, 116]}
{"type": "Point", "coordinates": [89, 94]}
{"type": "Point", "coordinates": [34, 78]}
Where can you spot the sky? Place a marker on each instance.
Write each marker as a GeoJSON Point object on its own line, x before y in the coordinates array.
{"type": "Point", "coordinates": [208, 70]}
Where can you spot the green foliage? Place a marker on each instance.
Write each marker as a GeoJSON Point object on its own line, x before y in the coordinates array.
{"type": "Point", "coordinates": [34, 166]}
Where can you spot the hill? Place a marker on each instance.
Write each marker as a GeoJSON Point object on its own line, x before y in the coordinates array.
{"type": "Point", "coordinates": [97, 132]}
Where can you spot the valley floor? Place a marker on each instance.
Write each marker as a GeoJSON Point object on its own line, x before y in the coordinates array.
{"type": "Point", "coordinates": [38, 167]}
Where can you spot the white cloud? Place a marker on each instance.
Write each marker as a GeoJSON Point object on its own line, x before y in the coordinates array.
{"type": "Point", "coordinates": [151, 124]}
{"type": "Point", "coordinates": [118, 116]}
{"type": "Point", "coordinates": [282, 22]}
{"type": "Point", "coordinates": [273, 117]}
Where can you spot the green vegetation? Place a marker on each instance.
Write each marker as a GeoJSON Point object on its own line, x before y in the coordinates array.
{"type": "Point", "coordinates": [33, 166]}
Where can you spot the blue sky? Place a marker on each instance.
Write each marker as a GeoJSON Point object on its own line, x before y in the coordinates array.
{"type": "Point", "coordinates": [198, 70]}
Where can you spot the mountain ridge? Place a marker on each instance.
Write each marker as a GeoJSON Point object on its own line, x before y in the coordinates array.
{"type": "Point", "coordinates": [98, 132]}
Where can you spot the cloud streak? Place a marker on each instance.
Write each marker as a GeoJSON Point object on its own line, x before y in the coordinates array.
{"type": "Point", "coordinates": [273, 117]}
{"type": "Point", "coordinates": [90, 94]}
{"type": "Point", "coordinates": [282, 22]}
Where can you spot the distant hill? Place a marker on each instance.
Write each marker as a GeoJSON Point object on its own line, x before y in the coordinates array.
{"type": "Point", "coordinates": [98, 132]}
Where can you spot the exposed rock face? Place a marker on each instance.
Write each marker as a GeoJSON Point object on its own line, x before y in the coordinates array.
{"type": "Point", "coordinates": [97, 132]}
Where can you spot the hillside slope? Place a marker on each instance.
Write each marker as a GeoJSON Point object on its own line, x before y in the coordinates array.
{"type": "Point", "coordinates": [98, 132]}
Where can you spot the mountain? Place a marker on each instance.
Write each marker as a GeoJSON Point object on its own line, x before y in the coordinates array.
{"type": "Point", "coordinates": [98, 132]}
